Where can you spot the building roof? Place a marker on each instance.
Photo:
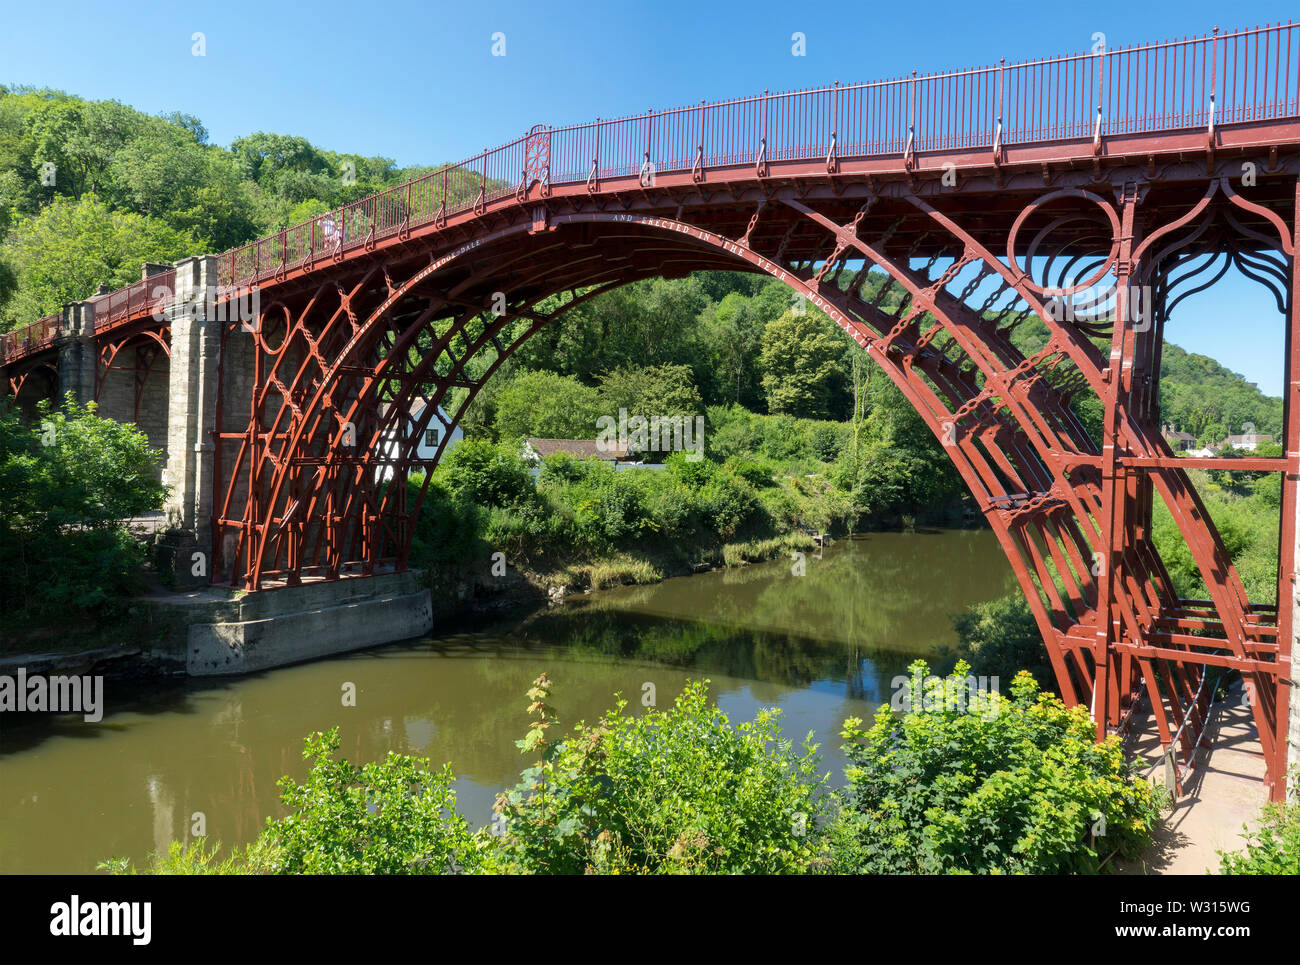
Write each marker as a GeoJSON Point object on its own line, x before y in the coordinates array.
{"type": "Point", "coordinates": [414, 410]}
{"type": "Point", "coordinates": [1184, 436]}
{"type": "Point", "coordinates": [582, 448]}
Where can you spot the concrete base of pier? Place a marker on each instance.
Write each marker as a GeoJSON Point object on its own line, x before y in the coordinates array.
{"type": "Point", "coordinates": [300, 623]}
{"type": "Point", "coordinates": [213, 632]}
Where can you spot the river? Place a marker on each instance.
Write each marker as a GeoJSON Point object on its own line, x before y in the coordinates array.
{"type": "Point", "coordinates": [820, 646]}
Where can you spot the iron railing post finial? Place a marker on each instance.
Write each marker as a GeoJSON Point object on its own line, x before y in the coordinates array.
{"type": "Point", "coordinates": [595, 160]}
{"type": "Point", "coordinates": [997, 111]}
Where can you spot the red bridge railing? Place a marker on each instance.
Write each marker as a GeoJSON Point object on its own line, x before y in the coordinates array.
{"type": "Point", "coordinates": [1230, 78]}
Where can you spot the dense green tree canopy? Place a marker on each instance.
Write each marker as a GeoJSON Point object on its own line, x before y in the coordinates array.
{"type": "Point", "coordinates": [547, 405]}
{"type": "Point", "coordinates": [801, 354]}
{"type": "Point", "coordinates": [186, 196]}
{"type": "Point", "coordinates": [66, 484]}
{"type": "Point", "coordinates": [65, 252]}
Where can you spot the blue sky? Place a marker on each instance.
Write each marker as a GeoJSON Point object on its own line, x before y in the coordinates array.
{"type": "Point", "coordinates": [417, 82]}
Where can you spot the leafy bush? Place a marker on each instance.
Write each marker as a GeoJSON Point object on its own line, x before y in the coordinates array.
{"type": "Point", "coordinates": [66, 485]}
{"type": "Point", "coordinates": [673, 791]}
{"type": "Point", "coordinates": [487, 474]}
{"type": "Point", "coordinates": [757, 474]}
{"type": "Point", "coordinates": [448, 529]}
{"type": "Point", "coordinates": [733, 431]}
{"type": "Point", "coordinates": [826, 439]}
{"type": "Point", "coordinates": [728, 502]}
{"type": "Point", "coordinates": [394, 816]}
{"type": "Point", "coordinates": [1272, 849]}
{"type": "Point", "coordinates": [889, 478]}
{"type": "Point", "coordinates": [693, 473]}
{"type": "Point", "coordinates": [992, 785]}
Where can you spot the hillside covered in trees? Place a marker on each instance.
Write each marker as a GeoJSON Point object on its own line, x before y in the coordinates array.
{"type": "Point", "coordinates": [90, 190]}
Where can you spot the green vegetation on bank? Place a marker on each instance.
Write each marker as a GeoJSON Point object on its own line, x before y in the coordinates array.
{"type": "Point", "coordinates": [787, 478]}
{"type": "Point", "coordinates": [1006, 785]}
{"type": "Point", "coordinates": [995, 785]}
{"type": "Point", "coordinates": [67, 483]}
{"type": "Point", "coordinates": [1274, 847]}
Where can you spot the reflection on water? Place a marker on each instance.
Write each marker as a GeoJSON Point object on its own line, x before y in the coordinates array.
{"type": "Point", "coordinates": [821, 647]}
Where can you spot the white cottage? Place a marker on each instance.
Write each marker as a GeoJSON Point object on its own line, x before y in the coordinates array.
{"type": "Point", "coordinates": [430, 437]}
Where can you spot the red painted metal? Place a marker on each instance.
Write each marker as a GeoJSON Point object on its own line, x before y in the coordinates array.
{"type": "Point", "coordinates": [1115, 168]}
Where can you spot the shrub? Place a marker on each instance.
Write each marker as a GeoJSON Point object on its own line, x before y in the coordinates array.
{"type": "Point", "coordinates": [694, 473]}
{"type": "Point", "coordinates": [757, 474]}
{"type": "Point", "coordinates": [995, 786]}
{"type": "Point", "coordinates": [66, 485]}
{"type": "Point", "coordinates": [448, 529]}
{"type": "Point", "coordinates": [484, 473]}
{"type": "Point", "coordinates": [733, 431]}
{"type": "Point", "coordinates": [728, 502]}
{"type": "Point", "coordinates": [394, 816]}
{"type": "Point", "coordinates": [1273, 849]}
{"type": "Point", "coordinates": [673, 791]}
{"type": "Point", "coordinates": [564, 467]}
{"type": "Point", "coordinates": [825, 439]}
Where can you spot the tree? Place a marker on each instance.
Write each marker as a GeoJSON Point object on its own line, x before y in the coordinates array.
{"type": "Point", "coordinates": [650, 390]}
{"type": "Point", "coordinates": [733, 335]}
{"type": "Point", "coordinates": [71, 247]}
{"type": "Point", "coordinates": [546, 405]}
{"type": "Point", "coordinates": [80, 139]}
{"type": "Point", "coordinates": [66, 485]}
{"type": "Point", "coordinates": [265, 156]}
{"type": "Point", "coordinates": [800, 356]}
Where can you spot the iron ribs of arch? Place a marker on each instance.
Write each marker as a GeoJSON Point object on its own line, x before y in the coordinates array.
{"type": "Point", "coordinates": [314, 475]}
{"type": "Point", "coordinates": [317, 485]}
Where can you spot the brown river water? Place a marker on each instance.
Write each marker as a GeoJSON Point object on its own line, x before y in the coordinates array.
{"type": "Point", "coordinates": [820, 646]}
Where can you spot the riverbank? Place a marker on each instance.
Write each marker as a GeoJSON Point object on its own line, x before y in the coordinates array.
{"type": "Point", "coordinates": [167, 632]}
{"type": "Point", "coordinates": [491, 584]}
{"type": "Point", "coordinates": [821, 647]}
{"type": "Point", "coordinates": [215, 631]}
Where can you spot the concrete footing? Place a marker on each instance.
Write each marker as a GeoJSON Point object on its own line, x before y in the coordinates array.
{"type": "Point", "coordinates": [278, 627]}
{"type": "Point", "coordinates": [216, 632]}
